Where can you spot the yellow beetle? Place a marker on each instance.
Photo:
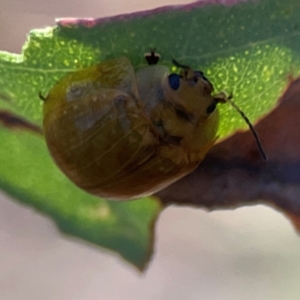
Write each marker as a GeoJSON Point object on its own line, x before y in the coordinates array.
{"type": "Point", "coordinates": [121, 134]}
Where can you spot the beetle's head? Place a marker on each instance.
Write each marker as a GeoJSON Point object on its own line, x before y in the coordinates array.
{"type": "Point", "coordinates": [191, 91]}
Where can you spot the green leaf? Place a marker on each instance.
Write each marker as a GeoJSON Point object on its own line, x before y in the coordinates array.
{"type": "Point", "coordinates": [249, 48]}
{"type": "Point", "coordinates": [28, 173]}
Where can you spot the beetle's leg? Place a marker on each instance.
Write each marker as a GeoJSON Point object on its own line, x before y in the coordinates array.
{"type": "Point", "coordinates": [42, 97]}
{"type": "Point", "coordinates": [152, 57]}
{"type": "Point", "coordinates": [160, 129]}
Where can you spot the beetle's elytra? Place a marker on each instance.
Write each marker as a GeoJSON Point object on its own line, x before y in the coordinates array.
{"type": "Point", "coordinates": [120, 134]}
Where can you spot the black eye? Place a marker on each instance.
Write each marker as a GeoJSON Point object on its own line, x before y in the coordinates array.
{"type": "Point", "coordinates": [211, 108]}
{"type": "Point", "coordinates": [174, 81]}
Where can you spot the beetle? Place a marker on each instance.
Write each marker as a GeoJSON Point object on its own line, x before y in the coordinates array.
{"type": "Point", "coordinates": [122, 134]}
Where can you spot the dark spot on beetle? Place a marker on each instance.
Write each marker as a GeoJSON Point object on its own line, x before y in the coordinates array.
{"type": "Point", "coordinates": [176, 140]}
{"type": "Point", "coordinates": [159, 123]}
{"type": "Point", "coordinates": [183, 115]}
{"type": "Point", "coordinates": [211, 108]}
{"type": "Point", "coordinates": [170, 139]}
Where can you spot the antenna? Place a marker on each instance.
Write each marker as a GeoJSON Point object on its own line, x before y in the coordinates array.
{"type": "Point", "coordinates": [222, 98]}
{"type": "Point", "coordinates": [187, 72]}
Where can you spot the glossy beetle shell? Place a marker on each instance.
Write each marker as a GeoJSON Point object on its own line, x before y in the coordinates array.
{"type": "Point", "coordinates": [121, 134]}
